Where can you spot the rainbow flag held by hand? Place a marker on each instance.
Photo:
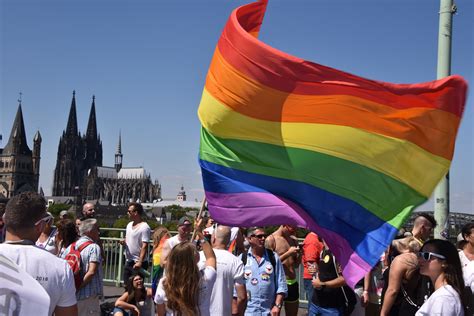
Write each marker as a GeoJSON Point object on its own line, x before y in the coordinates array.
{"type": "Point", "coordinates": [288, 141]}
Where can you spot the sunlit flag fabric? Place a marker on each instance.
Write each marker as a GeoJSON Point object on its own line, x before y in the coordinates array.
{"type": "Point", "coordinates": [284, 140]}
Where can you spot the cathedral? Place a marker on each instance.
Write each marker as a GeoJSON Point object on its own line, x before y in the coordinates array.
{"type": "Point", "coordinates": [76, 153]}
{"type": "Point", "coordinates": [79, 168]}
{"type": "Point", "coordinates": [120, 185]}
{"type": "Point", "coordinates": [19, 165]}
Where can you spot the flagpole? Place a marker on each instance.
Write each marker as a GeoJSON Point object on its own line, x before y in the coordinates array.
{"type": "Point", "coordinates": [203, 206]}
{"type": "Point", "coordinates": [441, 194]}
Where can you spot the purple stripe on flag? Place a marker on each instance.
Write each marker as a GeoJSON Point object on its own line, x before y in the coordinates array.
{"type": "Point", "coordinates": [260, 208]}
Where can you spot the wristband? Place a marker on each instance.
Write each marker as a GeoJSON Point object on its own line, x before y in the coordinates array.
{"type": "Point", "coordinates": [365, 292]}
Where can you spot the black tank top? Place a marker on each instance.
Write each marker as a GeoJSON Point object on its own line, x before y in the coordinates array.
{"type": "Point", "coordinates": [327, 297]}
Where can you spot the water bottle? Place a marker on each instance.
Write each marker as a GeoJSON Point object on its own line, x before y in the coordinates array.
{"type": "Point", "coordinates": [144, 272]}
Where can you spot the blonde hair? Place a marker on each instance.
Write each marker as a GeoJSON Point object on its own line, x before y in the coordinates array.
{"type": "Point", "coordinates": [182, 279]}
{"type": "Point", "coordinates": [407, 244]}
{"type": "Point", "coordinates": [158, 234]}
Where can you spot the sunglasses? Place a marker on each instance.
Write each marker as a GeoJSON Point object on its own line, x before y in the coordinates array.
{"type": "Point", "coordinates": [45, 219]}
{"type": "Point", "coordinates": [428, 256]}
{"type": "Point", "coordinates": [260, 236]}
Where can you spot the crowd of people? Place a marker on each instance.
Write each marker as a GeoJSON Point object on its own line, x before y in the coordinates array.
{"type": "Point", "coordinates": [211, 269]}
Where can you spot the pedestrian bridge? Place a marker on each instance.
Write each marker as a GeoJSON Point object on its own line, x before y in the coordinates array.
{"type": "Point", "coordinates": [112, 267]}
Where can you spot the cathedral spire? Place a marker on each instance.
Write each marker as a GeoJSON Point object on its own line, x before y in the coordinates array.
{"type": "Point", "coordinates": [17, 142]}
{"type": "Point", "coordinates": [71, 128]}
{"type": "Point", "coordinates": [119, 145]}
{"type": "Point", "coordinates": [118, 154]}
{"type": "Point", "coordinates": [92, 124]}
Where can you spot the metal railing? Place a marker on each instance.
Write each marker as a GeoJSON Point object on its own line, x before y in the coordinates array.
{"type": "Point", "coordinates": [113, 265]}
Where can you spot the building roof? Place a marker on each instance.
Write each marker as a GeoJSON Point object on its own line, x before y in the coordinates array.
{"type": "Point", "coordinates": [164, 203]}
{"type": "Point", "coordinates": [124, 173]}
{"type": "Point", "coordinates": [61, 199]}
{"type": "Point", "coordinates": [132, 173]}
{"type": "Point", "coordinates": [17, 141]}
{"type": "Point", "coordinates": [107, 172]}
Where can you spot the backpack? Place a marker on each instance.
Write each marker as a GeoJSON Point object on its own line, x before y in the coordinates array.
{"type": "Point", "coordinates": [73, 258]}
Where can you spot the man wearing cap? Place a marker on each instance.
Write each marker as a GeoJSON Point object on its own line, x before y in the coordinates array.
{"type": "Point", "coordinates": [137, 237]}
{"type": "Point", "coordinates": [184, 231]}
{"type": "Point", "coordinates": [64, 214]}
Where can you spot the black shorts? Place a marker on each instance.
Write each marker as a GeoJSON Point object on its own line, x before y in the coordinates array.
{"type": "Point", "coordinates": [293, 293]}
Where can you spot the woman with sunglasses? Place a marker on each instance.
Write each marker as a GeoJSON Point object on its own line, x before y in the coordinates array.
{"type": "Point", "coordinates": [439, 261]}
{"type": "Point", "coordinates": [47, 239]}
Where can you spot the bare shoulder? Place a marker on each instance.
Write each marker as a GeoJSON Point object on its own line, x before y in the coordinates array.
{"type": "Point", "coordinates": [406, 261]}
{"type": "Point", "coordinates": [281, 244]}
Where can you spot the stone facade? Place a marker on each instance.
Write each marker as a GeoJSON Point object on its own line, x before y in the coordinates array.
{"type": "Point", "coordinates": [118, 188]}
{"type": "Point", "coordinates": [76, 154]}
{"type": "Point", "coordinates": [119, 185]}
{"type": "Point", "coordinates": [79, 169]}
{"type": "Point", "coordinates": [19, 165]}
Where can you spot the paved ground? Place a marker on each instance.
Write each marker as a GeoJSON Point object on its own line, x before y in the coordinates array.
{"type": "Point", "coordinates": [111, 293]}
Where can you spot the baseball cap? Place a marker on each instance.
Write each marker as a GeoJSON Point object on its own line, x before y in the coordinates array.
{"type": "Point", "coordinates": [183, 220]}
{"type": "Point", "coordinates": [63, 213]}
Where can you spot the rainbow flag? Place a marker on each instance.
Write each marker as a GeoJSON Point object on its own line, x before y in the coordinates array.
{"type": "Point", "coordinates": [288, 141]}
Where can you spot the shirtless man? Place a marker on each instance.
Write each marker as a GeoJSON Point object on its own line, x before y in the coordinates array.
{"type": "Point", "coordinates": [403, 275]}
{"type": "Point", "coordinates": [423, 225]}
{"type": "Point", "coordinates": [284, 242]}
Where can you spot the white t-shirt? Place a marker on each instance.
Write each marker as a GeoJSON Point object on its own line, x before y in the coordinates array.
{"type": "Point", "coordinates": [53, 273]}
{"type": "Point", "coordinates": [444, 301]}
{"type": "Point", "coordinates": [467, 270]}
{"type": "Point", "coordinates": [173, 241]}
{"type": "Point", "coordinates": [208, 279]}
{"type": "Point", "coordinates": [134, 238]}
{"type": "Point", "coordinates": [230, 270]}
{"type": "Point", "coordinates": [21, 294]}
{"type": "Point", "coordinates": [50, 243]}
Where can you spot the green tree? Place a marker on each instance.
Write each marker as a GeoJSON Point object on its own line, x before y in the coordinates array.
{"type": "Point", "coordinates": [176, 211]}
{"type": "Point", "coordinates": [171, 226]}
{"type": "Point", "coordinates": [119, 223]}
{"type": "Point", "coordinates": [55, 209]}
{"type": "Point", "coordinates": [153, 224]}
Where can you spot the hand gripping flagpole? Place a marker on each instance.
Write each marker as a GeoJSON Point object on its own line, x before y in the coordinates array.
{"type": "Point", "coordinates": [203, 207]}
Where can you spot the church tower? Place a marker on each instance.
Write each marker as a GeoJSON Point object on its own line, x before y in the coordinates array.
{"type": "Point", "coordinates": [181, 197]}
{"type": "Point", "coordinates": [118, 154]}
{"type": "Point", "coordinates": [69, 173]}
{"type": "Point", "coordinates": [17, 172]}
{"type": "Point", "coordinates": [92, 142]}
{"type": "Point", "coordinates": [36, 156]}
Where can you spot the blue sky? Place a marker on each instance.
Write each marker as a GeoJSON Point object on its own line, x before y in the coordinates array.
{"type": "Point", "coordinates": [146, 63]}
